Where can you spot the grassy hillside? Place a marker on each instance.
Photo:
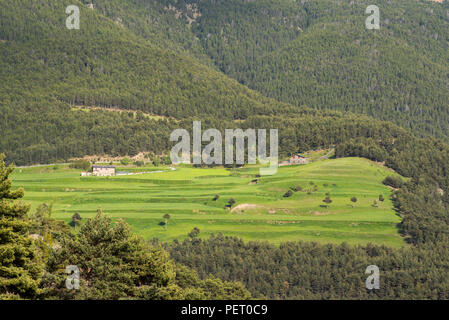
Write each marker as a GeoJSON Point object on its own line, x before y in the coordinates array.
{"type": "Point", "coordinates": [260, 212]}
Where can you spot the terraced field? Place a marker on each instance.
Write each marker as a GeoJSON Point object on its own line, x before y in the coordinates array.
{"type": "Point", "coordinates": [260, 212]}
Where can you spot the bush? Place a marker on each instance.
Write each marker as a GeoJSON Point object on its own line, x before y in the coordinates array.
{"type": "Point", "coordinates": [392, 181]}
{"type": "Point", "coordinates": [231, 202]}
{"type": "Point", "coordinates": [80, 164]}
{"type": "Point", "coordinates": [288, 194]}
{"type": "Point", "coordinates": [139, 163]}
{"type": "Point", "coordinates": [156, 162]}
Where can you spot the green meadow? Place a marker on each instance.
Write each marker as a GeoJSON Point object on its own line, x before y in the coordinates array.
{"type": "Point", "coordinates": [260, 212]}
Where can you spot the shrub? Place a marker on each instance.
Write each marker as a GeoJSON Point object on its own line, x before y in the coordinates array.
{"type": "Point", "coordinates": [231, 202]}
{"type": "Point", "coordinates": [392, 181]}
{"type": "Point", "coordinates": [327, 201]}
{"type": "Point", "coordinates": [139, 163]}
{"type": "Point", "coordinates": [156, 162]}
{"type": "Point", "coordinates": [288, 194]}
{"type": "Point", "coordinates": [80, 164]}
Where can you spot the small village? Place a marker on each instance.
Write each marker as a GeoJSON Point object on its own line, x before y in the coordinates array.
{"type": "Point", "coordinates": [110, 170]}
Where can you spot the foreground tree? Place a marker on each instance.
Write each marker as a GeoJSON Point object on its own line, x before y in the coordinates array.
{"type": "Point", "coordinates": [20, 266]}
{"type": "Point", "coordinates": [114, 264]}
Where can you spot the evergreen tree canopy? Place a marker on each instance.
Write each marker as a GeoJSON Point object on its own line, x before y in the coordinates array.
{"type": "Point", "coordinates": [20, 269]}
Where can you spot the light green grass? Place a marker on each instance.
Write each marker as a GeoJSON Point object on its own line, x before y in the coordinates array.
{"type": "Point", "coordinates": [186, 194]}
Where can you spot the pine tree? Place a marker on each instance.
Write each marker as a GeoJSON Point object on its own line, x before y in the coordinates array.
{"type": "Point", "coordinates": [20, 269]}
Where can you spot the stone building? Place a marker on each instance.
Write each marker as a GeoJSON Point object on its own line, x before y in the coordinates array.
{"type": "Point", "coordinates": [103, 171]}
{"type": "Point", "coordinates": [297, 159]}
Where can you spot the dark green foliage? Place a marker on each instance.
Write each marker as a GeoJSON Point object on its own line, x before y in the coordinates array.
{"type": "Point", "coordinates": [393, 181]}
{"type": "Point", "coordinates": [139, 163]}
{"type": "Point", "coordinates": [107, 66]}
{"type": "Point", "coordinates": [288, 194]}
{"type": "Point", "coordinates": [81, 164]}
{"type": "Point", "coordinates": [45, 227]}
{"type": "Point", "coordinates": [194, 233]}
{"type": "Point", "coordinates": [319, 53]}
{"type": "Point", "coordinates": [317, 271]}
{"type": "Point", "coordinates": [114, 264]}
{"type": "Point", "coordinates": [49, 74]}
{"type": "Point", "coordinates": [76, 220]}
{"type": "Point", "coordinates": [20, 266]}
{"type": "Point", "coordinates": [231, 202]}
{"type": "Point", "coordinates": [327, 201]}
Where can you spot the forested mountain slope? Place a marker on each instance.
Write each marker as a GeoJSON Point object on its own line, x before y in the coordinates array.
{"type": "Point", "coordinates": [46, 70]}
{"type": "Point", "coordinates": [314, 53]}
{"type": "Point", "coordinates": [154, 56]}
{"type": "Point", "coordinates": [319, 53]}
{"type": "Point", "coordinates": [104, 64]}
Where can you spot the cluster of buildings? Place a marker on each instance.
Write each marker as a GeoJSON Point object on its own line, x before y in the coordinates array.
{"type": "Point", "coordinates": [100, 171]}
{"type": "Point", "coordinates": [298, 159]}
{"type": "Point", "coordinates": [108, 171]}
{"type": "Point", "coordinates": [295, 159]}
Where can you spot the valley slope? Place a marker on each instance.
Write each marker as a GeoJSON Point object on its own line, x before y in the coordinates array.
{"type": "Point", "coordinates": [261, 211]}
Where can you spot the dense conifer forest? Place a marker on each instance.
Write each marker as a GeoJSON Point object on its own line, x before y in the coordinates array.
{"type": "Point", "coordinates": [163, 58]}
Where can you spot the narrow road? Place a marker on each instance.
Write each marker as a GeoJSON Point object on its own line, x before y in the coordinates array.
{"type": "Point", "coordinates": [41, 165]}
{"type": "Point", "coordinates": [327, 154]}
